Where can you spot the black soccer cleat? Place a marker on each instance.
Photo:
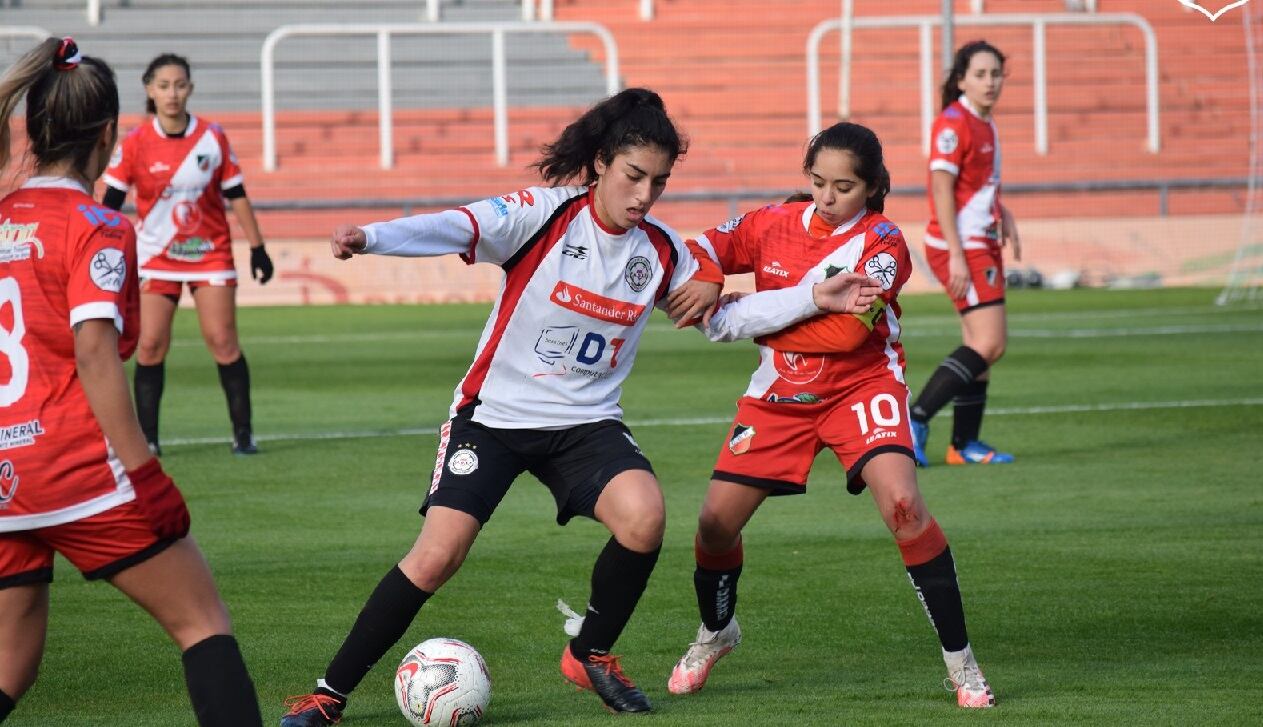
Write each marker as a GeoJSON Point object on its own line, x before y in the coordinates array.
{"type": "Point", "coordinates": [313, 710]}
{"type": "Point", "coordinates": [602, 674]}
{"type": "Point", "coordinates": [243, 443]}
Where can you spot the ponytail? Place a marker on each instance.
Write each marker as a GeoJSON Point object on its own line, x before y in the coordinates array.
{"type": "Point", "coordinates": [633, 117]}
{"type": "Point", "coordinates": [70, 98]}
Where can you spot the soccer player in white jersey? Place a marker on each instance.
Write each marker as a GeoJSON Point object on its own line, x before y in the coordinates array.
{"type": "Point", "coordinates": [76, 477]}
{"type": "Point", "coordinates": [182, 170]}
{"type": "Point", "coordinates": [968, 227]}
{"type": "Point", "coordinates": [584, 267]}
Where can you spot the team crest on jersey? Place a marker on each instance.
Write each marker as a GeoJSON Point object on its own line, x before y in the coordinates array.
{"type": "Point", "coordinates": [638, 273]}
{"type": "Point", "coordinates": [17, 240]}
{"type": "Point", "coordinates": [882, 268]}
{"type": "Point", "coordinates": [464, 461]}
{"type": "Point", "coordinates": [203, 162]}
{"type": "Point", "coordinates": [1212, 15]}
{"type": "Point", "coordinates": [108, 269]}
{"type": "Point", "coordinates": [946, 141]}
{"type": "Point", "coordinates": [991, 275]}
{"type": "Point", "coordinates": [742, 438]}
{"type": "Point", "coordinates": [8, 483]}
{"type": "Point", "coordinates": [730, 225]}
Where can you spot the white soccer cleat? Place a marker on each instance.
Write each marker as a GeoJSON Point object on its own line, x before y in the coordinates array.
{"type": "Point", "coordinates": [689, 675]}
{"type": "Point", "coordinates": [966, 679]}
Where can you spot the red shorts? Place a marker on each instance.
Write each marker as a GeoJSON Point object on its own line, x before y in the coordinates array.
{"type": "Point", "coordinates": [100, 546]}
{"type": "Point", "coordinates": [986, 276]}
{"type": "Point", "coordinates": [773, 445]}
{"type": "Point", "coordinates": [173, 288]}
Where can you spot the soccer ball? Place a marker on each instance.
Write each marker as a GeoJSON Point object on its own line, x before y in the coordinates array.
{"type": "Point", "coordinates": [442, 682]}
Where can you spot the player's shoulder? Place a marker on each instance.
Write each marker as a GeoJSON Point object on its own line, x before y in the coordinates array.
{"type": "Point", "coordinates": [880, 231]}
{"type": "Point", "coordinates": [88, 217]}
{"type": "Point", "coordinates": [655, 227]}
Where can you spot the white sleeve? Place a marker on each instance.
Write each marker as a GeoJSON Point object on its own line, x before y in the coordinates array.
{"type": "Point", "coordinates": [759, 314]}
{"type": "Point", "coordinates": [442, 233]}
{"type": "Point", "coordinates": [504, 224]}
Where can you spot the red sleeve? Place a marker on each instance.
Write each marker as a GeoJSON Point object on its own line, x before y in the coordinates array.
{"type": "Point", "coordinates": [708, 270]}
{"type": "Point", "coordinates": [230, 174]}
{"type": "Point", "coordinates": [948, 140]}
{"type": "Point", "coordinates": [102, 280]}
{"type": "Point", "coordinates": [734, 243]}
{"type": "Point", "coordinates": [119, 173]}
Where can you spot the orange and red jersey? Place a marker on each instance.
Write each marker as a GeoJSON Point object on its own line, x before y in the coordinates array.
{"type": "Point", "coordinates": [777, 244]}
{"type": "Point", "coordinates": [968, 147]}
{"type": "Point", "coordinates": [63, 260]}
{"type": "Point", "coordinates": [180, 182]}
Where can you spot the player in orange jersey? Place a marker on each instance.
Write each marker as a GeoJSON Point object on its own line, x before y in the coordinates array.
{"type": "Point", "coordinates": [833, 381]}
{"type": "Point", "coordinates": [76, 476]}
{"type": "Point", "coordinates": [182, 170]}
{"type": "Point", "coordinates": [968, 226]}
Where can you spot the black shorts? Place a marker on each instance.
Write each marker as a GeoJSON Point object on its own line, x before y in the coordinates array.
{"type": "Point", "coordinates": [476, 465]}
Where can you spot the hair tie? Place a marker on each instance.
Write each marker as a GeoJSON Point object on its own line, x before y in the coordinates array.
{"type": "Point", "coordinates": [68, 55]}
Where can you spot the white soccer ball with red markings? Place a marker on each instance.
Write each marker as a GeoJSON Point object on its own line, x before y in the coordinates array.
{"type": "Point", "coordinates": [443, 682]}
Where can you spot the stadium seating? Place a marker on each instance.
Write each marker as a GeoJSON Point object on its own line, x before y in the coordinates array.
{"type": "Point", "coordinates": [732, 72]}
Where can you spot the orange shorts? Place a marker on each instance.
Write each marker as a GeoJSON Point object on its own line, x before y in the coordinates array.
{"type": "Point", "coordinates": [773, 445]}
{"type": "Point", "coordinates": [986, 276]}
{"type": "Point", "coordinates": [100, 546]}
{"type": "Point", "coordinates": [173, 288]}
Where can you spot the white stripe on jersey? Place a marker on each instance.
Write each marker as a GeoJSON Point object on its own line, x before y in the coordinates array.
{"type": "Point", "coordinates": [124, 493]}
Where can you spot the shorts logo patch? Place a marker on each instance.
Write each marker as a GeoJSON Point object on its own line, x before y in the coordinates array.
{"type": "Point", "coordinates": [742, 438]}
{"type": "Point", "coordinates": [108, 269]}
{"type": "Point", "coordinates": [882, 268]}
{"type": "Point", "coordinates": [991, 275]}
{"type": "Point", "coordinates": [464, 461]}
{"type": "Point", "coordinates": [633, 443]}
{"type": "Point", "coordinates": [8, 483]}
{"type": "Point", "coordinates": [946, 141]}
{"type": "Point", "coordinates": [638, 273]}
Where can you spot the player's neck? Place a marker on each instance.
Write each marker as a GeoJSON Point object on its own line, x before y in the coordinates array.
{"type": "Point", "coordinates": [174, 125]}
{"type": "Point", "coordinates": [66, 170]}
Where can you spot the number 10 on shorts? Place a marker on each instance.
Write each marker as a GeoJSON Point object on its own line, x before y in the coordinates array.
{"type": "Point", "coordinates": [884, 409]}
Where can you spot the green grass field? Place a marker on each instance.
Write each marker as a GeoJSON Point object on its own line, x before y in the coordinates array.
{"type": "Point", "coordinates": [1112, 575]}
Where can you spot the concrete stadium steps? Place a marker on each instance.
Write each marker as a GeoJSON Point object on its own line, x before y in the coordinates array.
{"type": "Point", "coordinates": [223, 41]}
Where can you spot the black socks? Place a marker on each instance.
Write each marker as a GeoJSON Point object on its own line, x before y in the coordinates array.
{"type": "Point", "coordinates": [381, 623]}
{"type": "Point", "coordinates": [219, 686]}
{"type": "Point", "coordinates": [961, 368]}
{"type": "Point", "coordinates": [619, 579]}
{"type": "Point", "coordinates": [148, 385]}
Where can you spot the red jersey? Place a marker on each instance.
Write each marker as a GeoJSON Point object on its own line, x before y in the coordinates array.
{"type": "Point", "coordinates": [179, 181]}
{"type": "Point", "coordinates": [967, 146]}
{"type": "Point", "coordinates": [63, 260]}
{"type": "Point", "coordinates": [775, 244]}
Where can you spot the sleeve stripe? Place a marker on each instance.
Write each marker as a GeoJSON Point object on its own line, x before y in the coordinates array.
{"type": "Point", "coordinates": [94, 311]}
{"type": "Point", "coordinates": [707, 246]}
{"type": "Point", "coordinates": [942, 165]}
{"type": "Point", "coordinates": [114, 182]}
{"type": "Point", "coordinates": [232, 182]}
{"type": "Point", "coordinates": [473, 243]}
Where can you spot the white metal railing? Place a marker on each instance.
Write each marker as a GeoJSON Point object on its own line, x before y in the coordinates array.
{"type": "Point", "coordinates": [24, 31]}
{"type": "Point", "coordinates": [546, 9]}
{"type": "Point", "coordinates": [384, 101]}
{"type": "Point", "coordinates": [1038, 23]}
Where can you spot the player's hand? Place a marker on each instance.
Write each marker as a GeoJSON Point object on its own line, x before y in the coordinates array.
{"type": "Point", "coordinates": [159, 500]}
{"type": "Point", "coordinates": [260, 265]}
{"type": "Point", "coordinates": [347, 240]}
{"type": "Point", "coordinates": [957, 275]}
{"type": "Point", "coordinates": [846, 293]}
{"type": "Point", "coordinates": [694, 298]}
{"type": "Point", "coordinates": [1008, 233]}
{"type": "Point", "coordinates": [731, 297]}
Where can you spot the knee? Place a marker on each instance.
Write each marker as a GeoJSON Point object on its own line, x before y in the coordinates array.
{"type": "Point", "coordinates": [152, 351]}
{"type": "Point", "coordinates": [643, 530]}
{"type": "Point", "coordinates": [991, 350]}
{"type": "Point", "coordinates": [223, 346]}
{"type": "Point", "coordinates": [209, 618]}
{"type": "Point", "coordinates": [429, 568]}
{"type": "Point", "coordinates": [907, 518]}
{"type": "Point", "coordinates": [715, 533]}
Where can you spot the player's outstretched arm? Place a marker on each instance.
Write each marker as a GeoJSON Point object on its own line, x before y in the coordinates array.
{"type": "Point", "coordinates": [347, 240]}
{"type": "Point", "coordinates": [846, 293]}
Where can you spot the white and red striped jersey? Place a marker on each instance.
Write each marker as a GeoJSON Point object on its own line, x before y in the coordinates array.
{"type": "Point", "coordinates": [775, 243]}
{"type": "Point", "coordinates": [967, 146]}
{"type": "Point", "coordinates": [179, 182]}
{"type": "Point", "coordinates": [63, 260]}
{"type": "Point", "coordinates": [575, 299]}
